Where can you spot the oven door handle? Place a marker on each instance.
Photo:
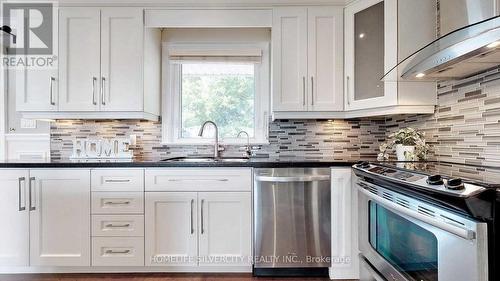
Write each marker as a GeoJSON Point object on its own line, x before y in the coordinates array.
{"type": "Point", "coordinates": [461, 232]}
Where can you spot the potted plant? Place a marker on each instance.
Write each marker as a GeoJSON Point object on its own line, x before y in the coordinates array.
{"type": "Point", "coordinates": [409, 144]}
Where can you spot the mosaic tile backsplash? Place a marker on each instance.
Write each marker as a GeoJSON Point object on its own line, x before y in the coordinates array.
{"type": "Point", "coordinates": [464, 129]}
{"type": "Point", "coordinates": [336, 139]}
{"type": "Point", "coordinates": [466, 125]}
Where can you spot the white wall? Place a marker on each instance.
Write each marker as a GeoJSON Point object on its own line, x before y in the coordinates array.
{"type": "Point", "coordinates": [17, 142]}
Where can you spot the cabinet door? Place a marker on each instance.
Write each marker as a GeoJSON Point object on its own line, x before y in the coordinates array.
{"type": "Point", "coordinates": [14, 218]}
{"type": "Point", "coordinates": [370, 51]}
{"type": "Point", "coordinates": [36, 87]}
{"type": "Point", "coordinates": [60, 217]}
{"type": "Point", "coordinates": [36, 90]}
{"type": "Point", "coordinates": [325, 58]}
{"type": "Point", "coordinates": [344, 225]}
{"type": "Point", "coordinates": [225, 228]}
{"type": "Point", "coordinates": [79, 59]}
{"type": "Point", "coordinates": [170, 226]}
{"type": "Point", "coordinates": [122, 58]}
{"type": "Point", "coordinates": [289, 40]}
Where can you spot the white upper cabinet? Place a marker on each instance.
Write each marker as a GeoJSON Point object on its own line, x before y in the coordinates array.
{"type": "Point", "coordinates": [59, 207]}
{"type": "Point", "coordinates": [14, 218]}
{"type": "Point", "coordinates": [36, 90]}
{"type": "Point", "coordinates": [121, 59]}
{"type": "Point", "coordinates": [378, 35]}
{"type": "Point", "coordinates": [325, 58]}
{"type": "Point", "coordinates": [289, 36]}
{"type": "Point", "coordinates": [368, 31]}
{"type": "Point", "coordinates": [79, 65]}
{"type": "Point", "coordinates": [307, 59]}
{"type": "Point", "coordinates": [109, 67]}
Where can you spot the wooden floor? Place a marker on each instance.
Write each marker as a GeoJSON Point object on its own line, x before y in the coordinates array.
{"type": "Point", "coordinates": [147, 277]}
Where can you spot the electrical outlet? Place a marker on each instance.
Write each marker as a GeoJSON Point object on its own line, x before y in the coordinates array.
{"type": "Point", "coordinates": [28, 123]}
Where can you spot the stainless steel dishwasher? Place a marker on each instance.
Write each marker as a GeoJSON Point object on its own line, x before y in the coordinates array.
{"type": "Point", "coordinates": [292, 224]}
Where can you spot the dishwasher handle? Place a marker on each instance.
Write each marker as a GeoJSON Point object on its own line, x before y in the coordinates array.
{"type": "Point", "coordinates": [304, 178]}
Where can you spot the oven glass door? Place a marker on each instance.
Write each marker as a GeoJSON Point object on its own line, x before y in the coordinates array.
{"type": "Point", "coordinates": [411, 249]}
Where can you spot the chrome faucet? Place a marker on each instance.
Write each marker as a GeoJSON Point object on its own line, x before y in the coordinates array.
{"type": "Point", "coordinates": [217, 147]}
{"type": "Point", "coordinates": [248, 150]}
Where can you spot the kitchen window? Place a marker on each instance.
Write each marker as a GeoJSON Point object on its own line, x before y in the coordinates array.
{"type": "Point", "coordinates": [227, 84]}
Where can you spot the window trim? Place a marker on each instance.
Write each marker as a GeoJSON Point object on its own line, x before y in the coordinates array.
{"type": "Point", "coordinates": [171, 103]}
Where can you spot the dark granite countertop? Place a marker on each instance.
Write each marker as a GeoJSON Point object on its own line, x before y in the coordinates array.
{"type": "Point", "coordinates": [156, 163]}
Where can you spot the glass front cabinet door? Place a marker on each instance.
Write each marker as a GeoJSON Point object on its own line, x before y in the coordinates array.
{"type": "Point", "coordinates": [370, 51]}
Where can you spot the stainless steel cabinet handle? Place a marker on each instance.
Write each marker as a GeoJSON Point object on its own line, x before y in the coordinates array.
{"type": "Point", "coordinates": [110, 225]}
{"type": "Point", "coordinates": [266, 125]}
{"type": "Point", "coordinates": [202, 224]}
{"type": "Point", "coordinates": [179, 180]}
{"type": "Point", "coordinates": [117, 181]}
{"type": "Point", "coordinates": [52, 102]}
{"type": "Point", "coordinates": [303, 90]}
{"type": "Point", "coordinates": [117, 202]}
{"type": "Point", "coordinates": [32, 194]}
{"type": "Point", "coordinates": [21, 180]}
{"type": "Point", "coordinates": [312, 90]}
{"type": "Point", "coordinates": [94, 81]}
{"type": "Point", "coordinates": [117, 252]}
{"type": "Point", "coordinates": [103, 94]}
{"type": "Point", "coordinates": [348, 96]}
{"type": "Point", "coordinates": [192, 207]}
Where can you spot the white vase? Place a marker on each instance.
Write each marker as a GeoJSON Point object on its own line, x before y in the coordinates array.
{"type": "Point", "coordinates": [401, 151]}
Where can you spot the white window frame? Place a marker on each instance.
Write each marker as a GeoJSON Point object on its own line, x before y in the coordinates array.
{"type": "Point", "coordinates": [171, 107]}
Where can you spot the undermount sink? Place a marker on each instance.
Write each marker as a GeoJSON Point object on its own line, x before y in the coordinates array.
{"type": "Point", "coordinates": [205, 159]}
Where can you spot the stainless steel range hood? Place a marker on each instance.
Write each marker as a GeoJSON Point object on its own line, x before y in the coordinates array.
{"type": "Point", "coordinates": [470, 49]}
{"type": "Point", "coordinates": [462, 53]}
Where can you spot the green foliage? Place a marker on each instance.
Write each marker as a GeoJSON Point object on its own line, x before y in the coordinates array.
{"type": "Point", "coordinates": [406, 136]}
{"type": "Point", "coordinates": [228, 100]}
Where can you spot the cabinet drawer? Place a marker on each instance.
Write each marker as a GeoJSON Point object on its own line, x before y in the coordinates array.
{"type": "Point", "coordinates": [117, 202]}
{"type": "Point", "coordinates": [118, 251]}
{"type": "Point", "coordinates": [117, 225]}
{"type": "Point", "coordinates": [117, 180]}
{"type": "Point", "coordinates": [209, 179]}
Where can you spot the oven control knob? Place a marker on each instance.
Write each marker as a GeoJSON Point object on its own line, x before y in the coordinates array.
{"type": "Point", "coordinates": [435, 180]}
{"type": "Point", "coordinates": [455, 184]}
{"type": "Point", "coordinates": [363, 165]}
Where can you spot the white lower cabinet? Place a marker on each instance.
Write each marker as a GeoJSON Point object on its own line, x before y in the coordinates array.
{"type": "Point", "coordinates": [45, 217]}
{"type": "Point", "coordinates": [59, 217]}
{"type": "Point", "coordinates": [171, 228]}
{"type": "Point", "coordinates": [225, 228]}
{"type": "Point", "coordinates": [117, 217]}
{"type": "Point", "coordinates": [117, 225]}
{"type": "Point", "coordinates": [345, 260]}
{"type": "Point", "coordinates": [202, 228]}
{"type": "Point", "coordinates": [14, 218]}
{"type": "Point", "coordinates": [117, 202]}
{"type": "Point", "coordinates": [118, 251]}
{"type": "Point", "coordinates": [55, 219]}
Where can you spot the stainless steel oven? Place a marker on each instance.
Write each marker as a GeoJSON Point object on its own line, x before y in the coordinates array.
{"type": "Point", "coordinates": [404, 238]}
